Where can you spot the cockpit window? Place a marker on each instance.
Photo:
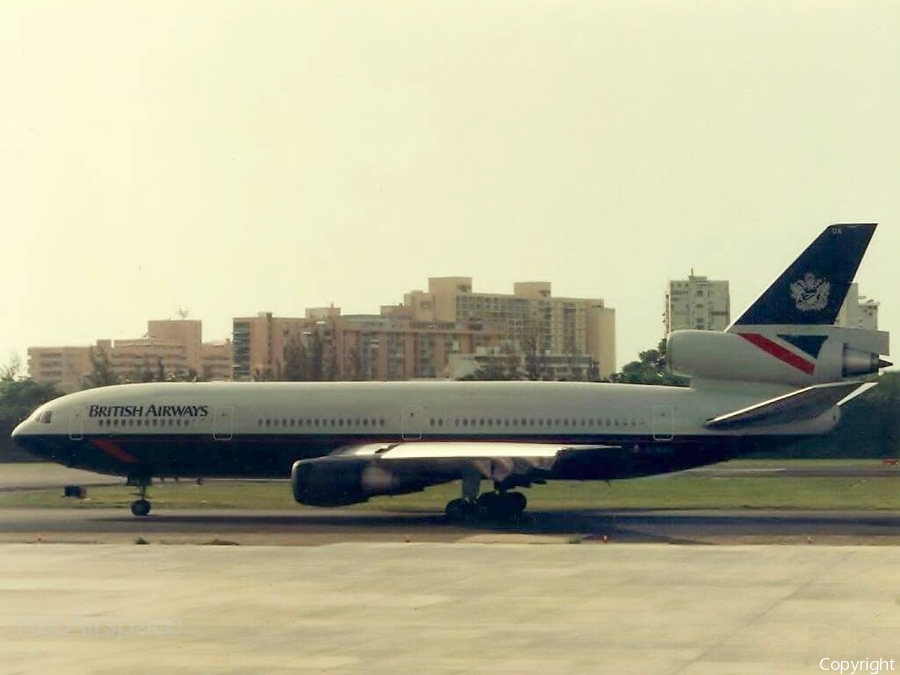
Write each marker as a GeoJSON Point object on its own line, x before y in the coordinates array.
{"type": "Point", "coordinates": [47, 416]}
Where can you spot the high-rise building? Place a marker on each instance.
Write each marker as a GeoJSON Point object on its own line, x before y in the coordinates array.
{"type": "Point", "coordinates": [173, 348]}
{"type": "Point", "coordinates": [529, 319]}
{"type": "Point", "coordinates": [858, 311]}
{"type": "Point", "coordinates": [389, 346]}
{"type": "Point", "coordinates": [697, 303]}
{"type": "Point", "coordinates": [61, 366]}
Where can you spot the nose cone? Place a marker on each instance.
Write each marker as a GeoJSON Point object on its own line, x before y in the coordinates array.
{"type": "Point", "coordinates": [17, 432]}
{"type": "Point", "coordinates": [884, 363]}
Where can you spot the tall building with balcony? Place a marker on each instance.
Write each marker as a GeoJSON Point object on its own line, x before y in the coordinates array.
{"type": "Point", "coordinates": [173, 347]}
{"type": "Point", "coordinates": [697, 303]}
{"type": "Point", "coordinates": [386, 346]}
{"type": "Point", "coordinates": [529, 319]}
{"type": "Point", "coordinates": [63, 367]}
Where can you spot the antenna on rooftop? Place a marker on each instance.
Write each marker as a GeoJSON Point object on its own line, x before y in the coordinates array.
{"type": "Point", "coordinates": [183, 313]}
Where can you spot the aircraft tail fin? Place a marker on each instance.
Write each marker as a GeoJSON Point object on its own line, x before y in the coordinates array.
{"type": "Point", "coordinates": [813, 288]}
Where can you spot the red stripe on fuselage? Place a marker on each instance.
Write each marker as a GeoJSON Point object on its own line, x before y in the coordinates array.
{"type": "Point", "coordinates": [779, 352]}
{"type": "Point", "coordinates": [113, 450]}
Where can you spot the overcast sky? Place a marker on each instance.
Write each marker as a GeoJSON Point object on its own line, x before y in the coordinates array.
{"type": "Point", "coordinates": [233, 157]}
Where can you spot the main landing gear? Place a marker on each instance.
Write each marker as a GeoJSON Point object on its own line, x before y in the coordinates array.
{"type": "Point", "coordinates": [140, 507]}
{"type": "Point", "coordinates": [487, 506]}
{"type": "Point", "coordinates": [496, 505]}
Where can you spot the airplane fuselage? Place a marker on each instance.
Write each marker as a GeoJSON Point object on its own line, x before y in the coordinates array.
{"type": "Point", "coordinates": [261, 429]}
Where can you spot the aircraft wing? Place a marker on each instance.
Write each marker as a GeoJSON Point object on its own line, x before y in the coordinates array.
{"type": "Point", "coordinates": [802, 404]}
{"type": "Point", "coordinates": [495, 461]}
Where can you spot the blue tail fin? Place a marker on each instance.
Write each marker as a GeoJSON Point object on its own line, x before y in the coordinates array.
{"type": "Point", "coordinates": [812, 290]}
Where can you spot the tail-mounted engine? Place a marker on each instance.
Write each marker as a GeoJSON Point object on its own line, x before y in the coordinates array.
{"type": "Point", "coordinates": [767, 354]}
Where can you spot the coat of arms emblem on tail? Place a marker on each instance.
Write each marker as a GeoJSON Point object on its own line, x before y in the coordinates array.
{"type": "Point", "coordinates": [810, 293]}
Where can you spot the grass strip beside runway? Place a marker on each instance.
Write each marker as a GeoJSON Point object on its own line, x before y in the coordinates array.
{"type": "Point", "coordinates": [684, 491]}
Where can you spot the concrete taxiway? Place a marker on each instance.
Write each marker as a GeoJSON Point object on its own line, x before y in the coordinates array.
{"type": "Point", "coordinates": [437, 608]}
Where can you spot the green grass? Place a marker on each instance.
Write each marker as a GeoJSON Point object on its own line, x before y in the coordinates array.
{"type": "Point", "coordinates": [674, 492]}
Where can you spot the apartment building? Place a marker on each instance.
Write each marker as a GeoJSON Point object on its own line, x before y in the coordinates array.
{"type": "Point", "coordinates": [697, 303]}
{"type": "Point", "coordinates": [61, 366]}
{"type": "Point", "coordinates": [387, 346]}
{"type": "Point", "coordinates": [174, 347]}
{"type": "Point", "coordinates": [529, 318]}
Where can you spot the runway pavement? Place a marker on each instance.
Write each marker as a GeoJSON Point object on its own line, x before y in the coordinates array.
{"type": "Point", "coordinates": [348, 591]}
{"type": "Point", "coordinates": [318, 527]}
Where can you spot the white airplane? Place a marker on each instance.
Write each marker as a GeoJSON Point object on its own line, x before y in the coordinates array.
{"type": "Point", "coordinates": [778, 373]}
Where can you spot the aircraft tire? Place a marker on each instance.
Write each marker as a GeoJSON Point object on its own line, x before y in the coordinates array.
{"type": "Point", "coordinates": [489, 505]}
{"type": "Point", "coordinates": [500, 507]}
{"type": "Point", "coordinates": [457, 510]}
{"type": "Point", "coordinates": [140, 507]}
{"type": "Point", "coordinates": [516, 501]}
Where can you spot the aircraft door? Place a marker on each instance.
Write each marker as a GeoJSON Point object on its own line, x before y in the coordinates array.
{"type": "Point", "coordinates": [222, 423]}
{"type": "Point", "coordinates": [663, 426]}
{"type": "Point", "coordinates": [76, 424]}
{"type": "Point", "coordinates": [412, 423]}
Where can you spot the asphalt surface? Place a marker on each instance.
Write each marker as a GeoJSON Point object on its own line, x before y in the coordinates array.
{"type": "Point", "coordinates": [318, 527]}
{"type": "Point", "coordinates": [37, 475]}
{"type": "Point", "coordinates": [87, 524]}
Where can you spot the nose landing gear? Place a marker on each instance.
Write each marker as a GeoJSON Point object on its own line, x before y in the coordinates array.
{"type": "Point", "coordinates": [140, 507]}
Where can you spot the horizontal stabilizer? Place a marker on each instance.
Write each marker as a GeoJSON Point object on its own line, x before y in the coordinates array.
{"type": "Point", "coordinates": [803, 404]}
